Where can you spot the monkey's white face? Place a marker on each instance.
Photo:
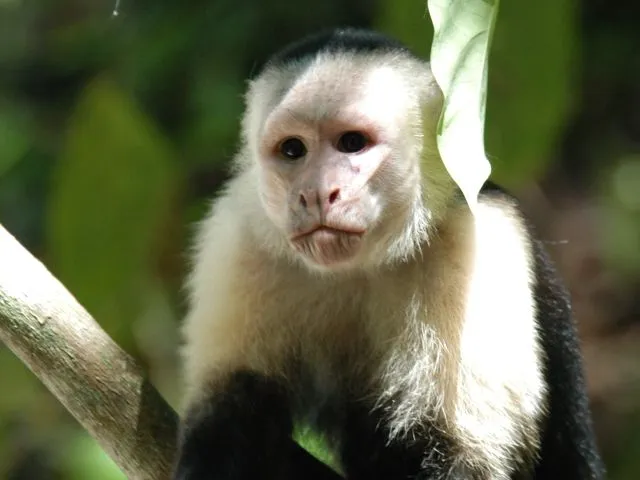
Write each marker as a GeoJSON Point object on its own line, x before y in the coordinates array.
{"type": "Point", "coordinates": [338, 157]}
{"type": "Point", "coordinates": [330, 204]}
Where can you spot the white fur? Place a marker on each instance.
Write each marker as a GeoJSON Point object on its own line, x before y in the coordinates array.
{"type": "Point", "coordinates": [443, 322]}
{"type": "Point", "coordinates": [470, 321]}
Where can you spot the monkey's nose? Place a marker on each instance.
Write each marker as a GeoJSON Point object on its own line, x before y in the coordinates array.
{"type": "Point", "coordinates": [323, 200]}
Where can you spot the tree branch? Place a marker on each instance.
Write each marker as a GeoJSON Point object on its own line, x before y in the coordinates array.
{"type": "Point", "coordinates": [100, 384]}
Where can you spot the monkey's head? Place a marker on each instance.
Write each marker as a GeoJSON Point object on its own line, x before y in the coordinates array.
{"type": "Point", "coordinates": [343, 143]}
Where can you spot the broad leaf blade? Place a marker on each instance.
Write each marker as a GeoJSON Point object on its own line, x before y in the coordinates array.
{"type": "Point", "coordinates": [459, 60]}
{"type": "Point", "coordinates": [111, 195]}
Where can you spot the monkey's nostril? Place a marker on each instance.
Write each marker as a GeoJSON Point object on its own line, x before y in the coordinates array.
{"type": "Point", "coordinates": [333, 196]}
{"type": "Point", "coordinates": [303, 201]}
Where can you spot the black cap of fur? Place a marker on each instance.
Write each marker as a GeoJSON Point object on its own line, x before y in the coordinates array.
{"type": "Point", "coordinates": [336, 40]}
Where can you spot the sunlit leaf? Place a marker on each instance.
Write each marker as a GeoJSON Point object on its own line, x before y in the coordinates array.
{"type": "Point", "coordinates": [110, 195]}
{"type": "Point", "coordinates": [317, 445]}
{"type": "Point", "coordinates": [459, 60]}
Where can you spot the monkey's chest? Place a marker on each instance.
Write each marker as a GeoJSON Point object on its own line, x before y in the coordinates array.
{"type": "Point", "coordinates": [333, 369]}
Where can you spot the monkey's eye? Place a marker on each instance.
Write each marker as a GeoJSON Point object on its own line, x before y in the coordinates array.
{"type": "Point", "coordinates": [352, 142]}
{"type": "Point", "coordinates": [293, 148]}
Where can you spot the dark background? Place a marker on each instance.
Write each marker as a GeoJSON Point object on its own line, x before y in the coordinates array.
{"type": "Point", "coordinates": [115, 131]}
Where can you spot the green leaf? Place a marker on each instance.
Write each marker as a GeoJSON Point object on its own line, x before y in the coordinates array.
{"type": "Point", "coordinates": [111, 193]}
{"type": "Point", "coordinates": [317, 445]}
{"type": "Point", "coordinates": [459, 60]}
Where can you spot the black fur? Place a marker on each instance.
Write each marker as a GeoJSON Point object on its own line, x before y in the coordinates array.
{"type": "Point", "coordinates": [568, 444]}
{"type": "Point", "coordinates": [337, 40]}
{"type": "Point", "coordinates": [367, 453]}
{"type": "Point", "coordinates": [240, 433]}
{"type": "Point", "coordinates": [244, 432]}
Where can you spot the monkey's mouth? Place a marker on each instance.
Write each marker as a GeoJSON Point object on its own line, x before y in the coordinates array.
{"type": "Point", "coordinates": [326, 231]}
{"type": "Point", "coordinates": [326, 245]}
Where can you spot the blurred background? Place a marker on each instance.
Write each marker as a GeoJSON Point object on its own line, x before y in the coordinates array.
{"type": "Point", "coordinates": [115, 132]}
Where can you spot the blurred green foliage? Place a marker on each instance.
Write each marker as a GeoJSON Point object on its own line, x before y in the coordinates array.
{"type": "Point", "coordinates": [125, 173]}
{"type": "Point", "coordinates": [116, 131]}
{"type": "Point", "coordinates": [532, 85]}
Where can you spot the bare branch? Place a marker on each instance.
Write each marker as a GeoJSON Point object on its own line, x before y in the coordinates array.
{"type": "Point", "coordinates": [101, 385]}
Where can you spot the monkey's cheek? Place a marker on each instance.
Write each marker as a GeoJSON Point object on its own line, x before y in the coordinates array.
{"type": "Point", "coordinates": [329, 248]}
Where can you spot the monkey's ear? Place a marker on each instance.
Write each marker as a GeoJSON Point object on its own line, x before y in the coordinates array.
{"type": "Point", "coordinates": [459, 60]}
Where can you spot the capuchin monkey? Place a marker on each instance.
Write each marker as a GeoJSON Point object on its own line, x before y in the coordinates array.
{"type": "Point", "coordinates": [342, 281]}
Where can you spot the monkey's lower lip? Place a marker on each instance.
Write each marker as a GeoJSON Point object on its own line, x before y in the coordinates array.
{"type": "Point", "coordinates": [325, 231]}
{"type": "Point", "coordinates": [328, 246]}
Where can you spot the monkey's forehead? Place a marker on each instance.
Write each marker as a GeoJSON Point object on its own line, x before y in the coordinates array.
{"type": "Point", "coordinates": [321, 87]}
{"type": "Point", "coordinates": [335, 84]}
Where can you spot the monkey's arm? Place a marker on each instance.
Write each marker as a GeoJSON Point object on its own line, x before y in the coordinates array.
{"type": "Point", "coordinates": [244, 431]}
{"type": "Point", "coordinates": [241, 431]}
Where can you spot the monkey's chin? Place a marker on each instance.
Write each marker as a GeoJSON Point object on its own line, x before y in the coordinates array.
{"type": "Point", "coordinates": [328, 248]}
